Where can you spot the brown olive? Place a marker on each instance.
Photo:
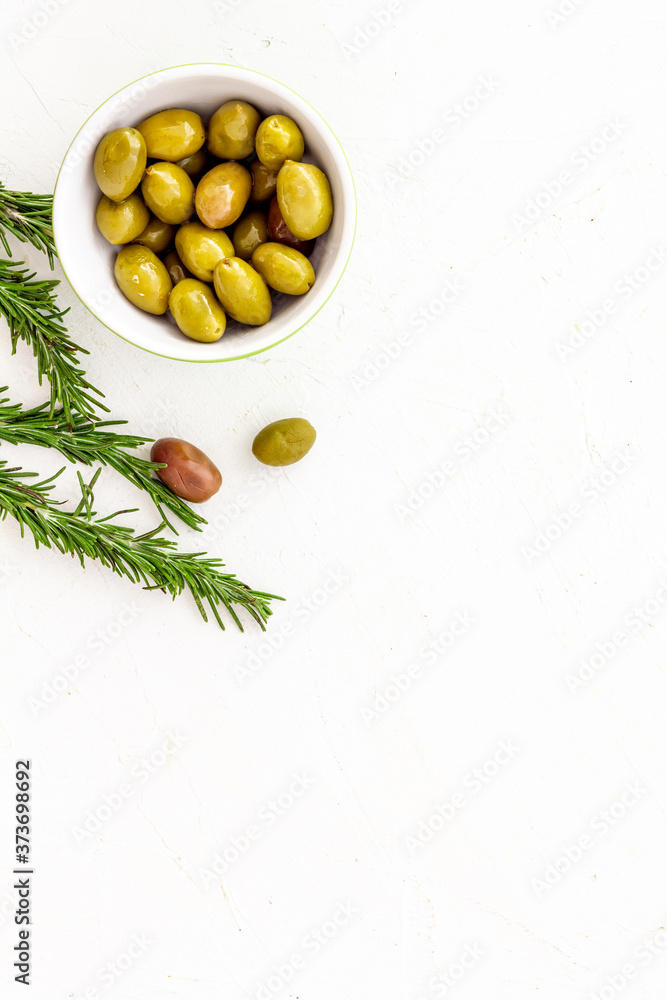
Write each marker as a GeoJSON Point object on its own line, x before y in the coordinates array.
{"type": "Point", "coordinates": [188, 472]}
{"type": "Point", "coordinates": [279, 233]}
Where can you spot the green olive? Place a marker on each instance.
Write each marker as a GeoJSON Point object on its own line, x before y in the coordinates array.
{"type": "Point", "coordinates": [168, 192]}
{"type": "Point", "coordinates": [122, 221]}
{"type": "Point", "coordinates": [284, 442]}
{"type": "Point", "coordinates": [222, 194]}
{"type": "Point", "coordinates": [143, 279]}
{"type": "Point", "coordinates": [157, 235]}
{"type": "Point", "coordinates": [284, 268]}
{"type": "Point", "coordinates": [194, 164]}
{"type": "Point", "coordinates": [176, 268]}
{"type": "Point", "coordinates": [243, 292]}
{"type": "Point", "coordinates": [279, 139]}
{"type": "Point", "coordinates": [231, 131]}
{"type": "Point", "coordinates": [263, 182]}
{"type": "Point", "coordinates": [249, 233]}
{"type": "Point", "coordinates": [173, 134]}
{"type": "Point", "coordinates": [201, 248]}
{"type": "Point", "coordinates": [197, 312]}
{"type": "Point", "coordinates": [305, 199]}
{"type": "Point", "coordinates": [120, 161]}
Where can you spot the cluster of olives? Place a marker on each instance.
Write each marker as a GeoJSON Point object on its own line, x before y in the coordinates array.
{"type": "Point", "coordinates": [211, 219]}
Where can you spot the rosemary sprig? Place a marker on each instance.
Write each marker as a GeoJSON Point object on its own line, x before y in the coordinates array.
{"type": "Point", "coordinates": [70, 423]}
{"type": "Point", "coordinates": [148, 559]}
{"type": "Point", "coordinates": [28, 217]}
{"type": "Point", "coordinates": [89, 441]}
{"type": "Point", "coordinates": [33, 316]}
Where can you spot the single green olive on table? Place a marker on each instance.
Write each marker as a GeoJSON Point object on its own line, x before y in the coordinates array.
{"type": "Point", "coordinates": [284, 442]}
{"type": "Point", "coordinates": [182, 197]}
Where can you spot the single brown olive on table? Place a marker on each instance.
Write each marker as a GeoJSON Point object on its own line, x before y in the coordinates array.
{"type": "Point", "coordinates": [279, 233]}
{"type": "Point", "coordinates": [188, 472]}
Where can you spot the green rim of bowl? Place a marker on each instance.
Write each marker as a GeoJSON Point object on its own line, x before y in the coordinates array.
{"type": "Point", "coordinates": [262, 350]}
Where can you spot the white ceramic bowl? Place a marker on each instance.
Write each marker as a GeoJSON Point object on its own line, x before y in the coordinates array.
{"type": "Point", "coordinates": [87, 259]}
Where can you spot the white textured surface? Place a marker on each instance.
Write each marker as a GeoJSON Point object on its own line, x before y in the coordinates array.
{"type": "Point", "coordinates": [523, 436]}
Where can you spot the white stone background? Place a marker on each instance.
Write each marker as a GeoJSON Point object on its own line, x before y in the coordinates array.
{"type": "Point", "coordinates": [595, 415]}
